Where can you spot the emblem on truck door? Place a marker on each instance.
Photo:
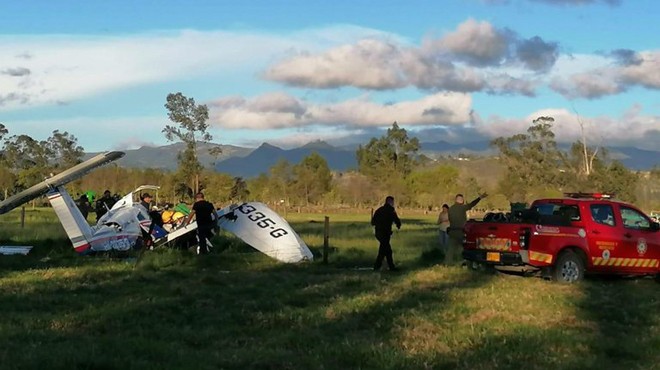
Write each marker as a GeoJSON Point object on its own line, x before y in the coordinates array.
{"type": "Point", "coordinates": [606, 254]}
{"type": "Point", "coordinates": [641, 246]}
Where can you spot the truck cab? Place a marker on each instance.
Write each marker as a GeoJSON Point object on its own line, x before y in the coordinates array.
{"type": "Point", "coordinates": [564, 238]}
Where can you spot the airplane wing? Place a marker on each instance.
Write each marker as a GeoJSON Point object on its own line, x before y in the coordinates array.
{"type": "Point", "coordinates": [264, 230]}
{"type": "Point", "coordinates": [60, 179]}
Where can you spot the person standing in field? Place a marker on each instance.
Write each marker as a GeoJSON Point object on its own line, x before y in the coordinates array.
{"type": "Point", "coordinates": [457, 219]}
{"type": "Point", "coordinates": [204, 212]}
{"type": "Point", "coordinates": [443, 222]}
{"type": "Point", "coordinates": [382, 221]}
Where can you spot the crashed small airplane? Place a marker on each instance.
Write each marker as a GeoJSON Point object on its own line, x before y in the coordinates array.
{"type": "Point", "coordinates": [127, 224]}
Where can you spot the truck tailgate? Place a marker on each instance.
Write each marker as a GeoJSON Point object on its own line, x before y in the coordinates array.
{"type": "Point", "coordinates": [495, 242]}
{"type": "Point", "coordinates": [493, 236]}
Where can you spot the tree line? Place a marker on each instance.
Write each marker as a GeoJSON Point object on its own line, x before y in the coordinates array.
{"type": "Point", "coordinates": [533, 165]}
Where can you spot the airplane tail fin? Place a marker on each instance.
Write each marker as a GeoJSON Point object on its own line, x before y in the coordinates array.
{"type": "Point", "coordinates": [75, 225]}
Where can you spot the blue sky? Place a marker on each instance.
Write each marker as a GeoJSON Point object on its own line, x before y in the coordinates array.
{"type": "Point", "coordinates": [288, 72]}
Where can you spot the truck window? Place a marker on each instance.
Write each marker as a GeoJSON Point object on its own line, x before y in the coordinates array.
{"type": "Point", "coordinates": [570, 212]}
{"type": "Point", "coordinates": [633, 219]}
{"type": "Point", "coordinates": [603, 214]}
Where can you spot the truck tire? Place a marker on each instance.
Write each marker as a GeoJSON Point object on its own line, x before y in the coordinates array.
{"type": "Point", "coordinates": [569, 268]}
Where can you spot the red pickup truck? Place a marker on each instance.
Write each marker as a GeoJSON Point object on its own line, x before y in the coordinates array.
{"type": "Point", "coordinates": [564, 238]}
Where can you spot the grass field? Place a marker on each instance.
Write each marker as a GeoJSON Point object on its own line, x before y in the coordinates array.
{"type": "Point", "coordinates": [237, 309]}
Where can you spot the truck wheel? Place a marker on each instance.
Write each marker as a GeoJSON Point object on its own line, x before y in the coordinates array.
{"type": "Point", "coordinates": [569, 268]}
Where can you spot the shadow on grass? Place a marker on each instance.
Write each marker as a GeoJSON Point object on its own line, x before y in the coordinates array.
{"type": "Point", "coordinates": [615, 327]}
{"type": "Point", "coordinates": [238, 309]}
{"type": "Point", "coordinates": [183, 312]}
{"type": "Point", "coordinates": [229, 310]}
{"type": "Point", "coordinates": [626, 317]}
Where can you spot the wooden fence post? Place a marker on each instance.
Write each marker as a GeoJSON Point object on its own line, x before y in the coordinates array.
{"type": "Point", "coordinates": [326, 240]}
{"type": "Point", "coordinates": [23, 217]}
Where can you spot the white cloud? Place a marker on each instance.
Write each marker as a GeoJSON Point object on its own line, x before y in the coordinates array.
{"type": "Point", "coordinates": [97, 134]}
{"type": "Point", "coordinates": [37, 70]}
{"type": "Point", "coordinates": [380, 65]}
{"type": "Point", "coordinates": [479, 43]}
{"type": "Point", "coordinates": [370, 64]}
{"type": "Point", "coordinates": [590, 85]}
{"type": "Point", "coordinates": [633, 127]}
{"type": "Point", "coordinates": [608, 75]}
{"type": "Point", "coordinates": [278, 110]}
{"type": "Point", "coordinates": [475, 57]}
{"type": "Point", "coordinates": [349, 122]}
{"type": "Point", "coordinates": [645, 71]}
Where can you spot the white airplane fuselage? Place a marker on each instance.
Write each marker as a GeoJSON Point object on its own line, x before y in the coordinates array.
{"type": "Point", "coordinates": [119, 229]}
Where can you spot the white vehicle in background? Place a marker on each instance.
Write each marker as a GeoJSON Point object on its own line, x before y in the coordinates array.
{"type": "Point", "coordinates": [655, 215]}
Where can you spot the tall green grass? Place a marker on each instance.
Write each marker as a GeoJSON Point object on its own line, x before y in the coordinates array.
{"type": "Point", "coordinates": [238, 309]}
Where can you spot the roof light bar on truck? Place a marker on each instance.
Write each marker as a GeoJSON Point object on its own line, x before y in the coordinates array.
{"type": "Point", "coordinates": [589, 195]}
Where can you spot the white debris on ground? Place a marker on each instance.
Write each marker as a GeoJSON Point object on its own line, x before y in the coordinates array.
{"type": "Point", "coordinates": [15, 249]}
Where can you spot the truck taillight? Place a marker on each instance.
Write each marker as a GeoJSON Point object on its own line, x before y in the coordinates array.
{"type": "Point", "coordinates": [523, 241]}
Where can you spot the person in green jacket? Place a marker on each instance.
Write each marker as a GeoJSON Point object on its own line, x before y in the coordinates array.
{"type": "Point", "coordinates": [457, 219]}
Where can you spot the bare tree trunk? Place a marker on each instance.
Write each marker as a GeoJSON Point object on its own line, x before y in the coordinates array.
{"type": "Point", "coordinates": [588, 162]}
{"type": "Point", "coordinates": [196, 183]}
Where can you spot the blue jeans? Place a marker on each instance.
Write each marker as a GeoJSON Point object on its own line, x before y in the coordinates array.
{"type": "Point", "coordinates": [444, 239]}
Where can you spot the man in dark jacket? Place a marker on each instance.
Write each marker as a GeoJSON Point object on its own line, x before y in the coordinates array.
{"type": "Point", "coordinates": [204, 213]}
{"type": "Point", "coordinates": [83, 205]}
{"type": "Point", "coordinates": [382, 220]}
{"type": "Point", "coordinates": [457, 220]}
{"type": "Point", "coordinates": [104, 204]}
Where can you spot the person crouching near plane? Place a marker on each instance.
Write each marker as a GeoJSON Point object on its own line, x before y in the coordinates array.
{"type": "Point", "coordinates": [382, 220]}
{"type": "Point", "coordinates": [457, 219]}
{"type": "Point", "coordinates": [204, 213]}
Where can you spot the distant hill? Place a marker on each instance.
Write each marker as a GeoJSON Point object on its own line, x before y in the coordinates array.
{"type": "Point", "coordinates": [637, 159]}
{"type": "Point", "coordinates": [250, 162]}
{"type": "Point", "coordinates": [264, 157]}
{"type": "Point", "coordinates": [633, 158]}
{"type": "Point", "coordinates": [165, 157]}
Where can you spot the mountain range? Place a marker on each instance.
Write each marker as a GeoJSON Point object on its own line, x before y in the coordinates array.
{"type": "Point", "coordinates": [250, 162]}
